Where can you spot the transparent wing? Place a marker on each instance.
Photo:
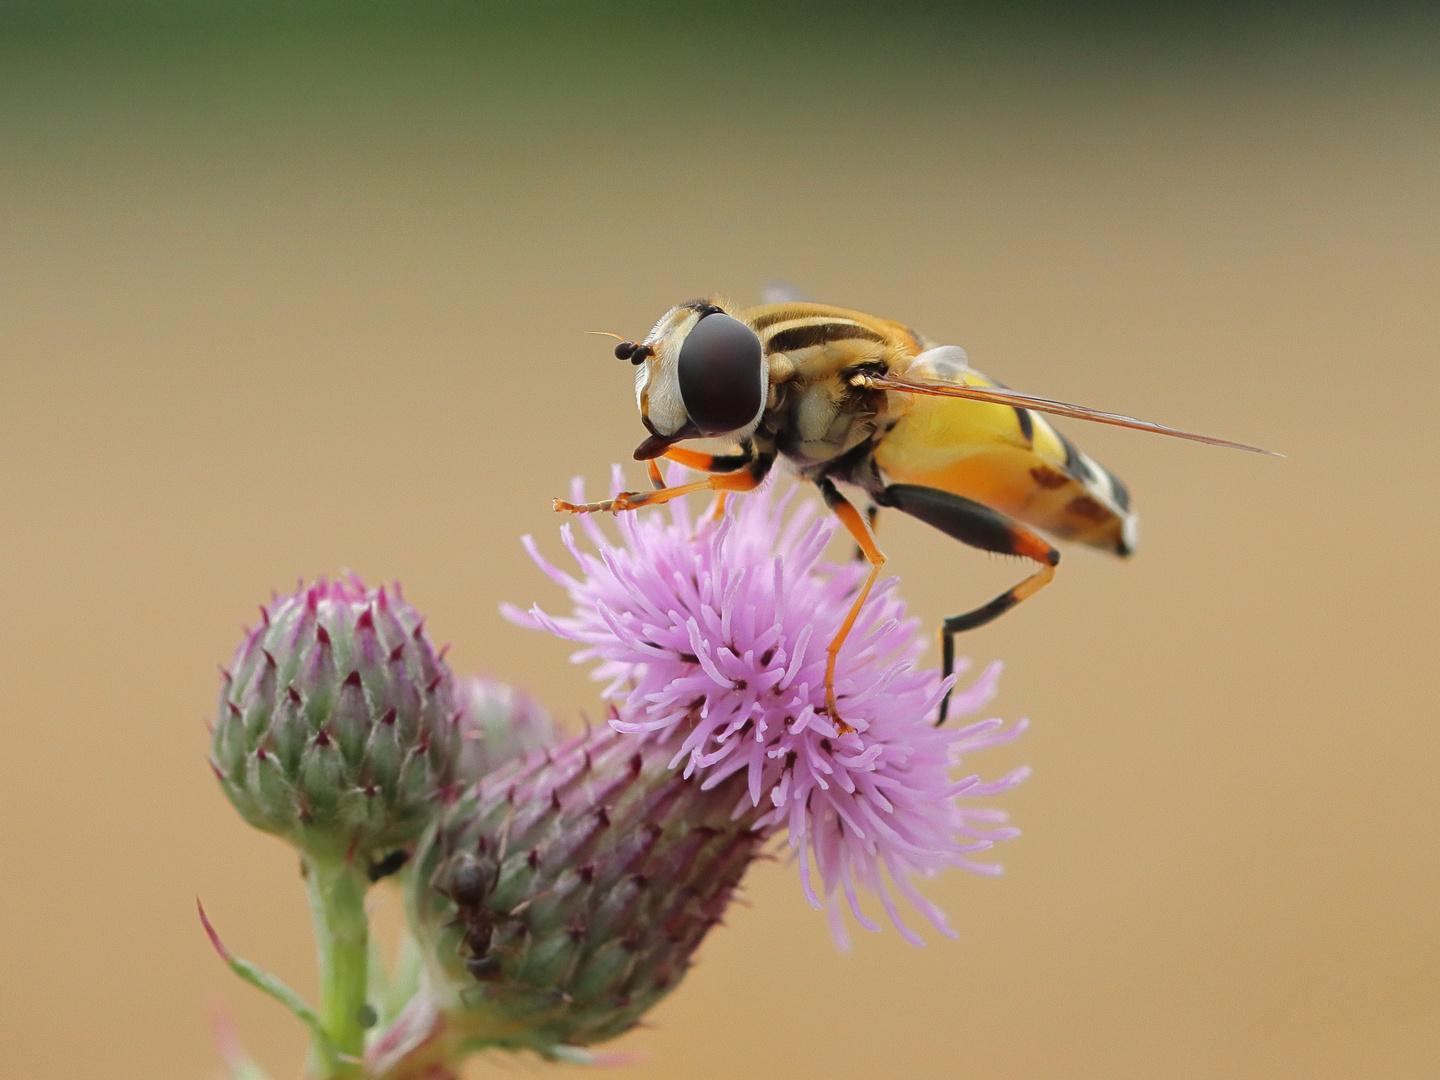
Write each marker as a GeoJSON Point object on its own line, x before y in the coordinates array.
{"type": "Point", "coordinates": [782, 292]}
{"type": "Point", "coordinates": [999, 395]}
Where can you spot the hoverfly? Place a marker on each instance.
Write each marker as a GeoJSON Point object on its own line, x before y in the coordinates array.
{"type": "Point", "coordinates": [866, 401]}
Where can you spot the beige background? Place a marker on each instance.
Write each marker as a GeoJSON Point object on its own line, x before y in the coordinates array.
{"type": "Point", "coordinates": [274, 311]}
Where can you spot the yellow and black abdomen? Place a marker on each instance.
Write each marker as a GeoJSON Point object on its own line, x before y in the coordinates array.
{"type": "Point", "coordinates": [1010, 459]}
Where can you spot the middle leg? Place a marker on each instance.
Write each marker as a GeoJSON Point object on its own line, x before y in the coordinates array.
{"type": "Point", "coordinates": [855, 524]}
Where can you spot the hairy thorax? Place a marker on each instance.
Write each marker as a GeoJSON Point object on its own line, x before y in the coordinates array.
{"type": "Point", "coordinates": [814, 414]}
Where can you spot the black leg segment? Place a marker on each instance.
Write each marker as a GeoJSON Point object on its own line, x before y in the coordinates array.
{"type": "Point", "coordinates": [977, 526]}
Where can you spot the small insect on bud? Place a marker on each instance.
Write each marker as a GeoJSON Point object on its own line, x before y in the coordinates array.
{"type": "Point", "coordinates": [471, 880]}
{"type": "Point", "coordinates": [575, 913]}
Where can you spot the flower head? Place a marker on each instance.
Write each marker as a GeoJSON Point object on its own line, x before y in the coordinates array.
{"type": "Point", "coordinates": [564, 894]}
{"type": "Point", "coordinates": [712, 636]}
{"type": "Point", "coordinates": [336, 726]}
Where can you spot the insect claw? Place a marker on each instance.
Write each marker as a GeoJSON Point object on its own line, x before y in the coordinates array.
{"type": "Point", "coordinates": [832, 710]}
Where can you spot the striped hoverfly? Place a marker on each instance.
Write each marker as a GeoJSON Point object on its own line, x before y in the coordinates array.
{"type": "Point", "coordinates": [851, 398]}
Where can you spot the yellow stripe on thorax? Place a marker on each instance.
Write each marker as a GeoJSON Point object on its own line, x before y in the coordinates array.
{"type": "Point", "coordinates": [769, 319]}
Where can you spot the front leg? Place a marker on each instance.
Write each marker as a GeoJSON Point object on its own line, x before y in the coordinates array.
{"type": "Point", "coordinates": [749, 469]}
{"type": "Point", "coordinates": [711, 463]}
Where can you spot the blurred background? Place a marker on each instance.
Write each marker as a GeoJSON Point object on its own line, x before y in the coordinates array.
{"type": "Point", "coordinates": [290, 288]}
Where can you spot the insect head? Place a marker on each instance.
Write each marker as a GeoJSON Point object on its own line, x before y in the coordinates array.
{"type": "Point", "coordinates": [706, 375]}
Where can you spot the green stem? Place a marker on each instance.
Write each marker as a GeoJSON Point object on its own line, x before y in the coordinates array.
{"type": "Point", "coordinates": [342, 930]}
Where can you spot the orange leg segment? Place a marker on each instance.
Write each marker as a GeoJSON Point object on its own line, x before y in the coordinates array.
{"type": "Point", "coordinates": [740, 479]}
{"type": "Point", "coordinates": [855, 524]}
{"type": "Point", "coordinates": [717, 508]}
{"type": "Point", "coordinates": [694, 459]}
{"type": "Point", "coordinates": [710, 463]}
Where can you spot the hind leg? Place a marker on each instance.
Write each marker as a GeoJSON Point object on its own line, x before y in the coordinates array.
{"type": "Point", "coordinates": [980, 527]}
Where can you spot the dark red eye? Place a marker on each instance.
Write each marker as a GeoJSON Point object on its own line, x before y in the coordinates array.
{"type": "Point", "coordinates": [722, 377]}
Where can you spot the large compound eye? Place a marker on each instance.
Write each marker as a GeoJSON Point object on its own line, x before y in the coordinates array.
{"type": "Point", "coordinates": [722, 379]}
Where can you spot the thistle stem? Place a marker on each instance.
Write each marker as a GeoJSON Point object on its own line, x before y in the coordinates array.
{"type": "Point", "coordinates": [337, 904]}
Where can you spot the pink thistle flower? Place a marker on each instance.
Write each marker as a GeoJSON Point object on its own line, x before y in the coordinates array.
{"type": "Point", "coordinates": [713, 636]}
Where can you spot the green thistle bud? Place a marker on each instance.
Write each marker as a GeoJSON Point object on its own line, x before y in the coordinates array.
{"type": "Point", "coordinates": [337, 727]}
{"type": "Point", "coordinates": [560, 898]}
{"type": "Point", "coordinates": [498, 724]}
